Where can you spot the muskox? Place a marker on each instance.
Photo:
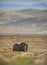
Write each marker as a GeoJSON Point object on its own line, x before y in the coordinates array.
{"type": "Point", "coordinates": [20, 47]}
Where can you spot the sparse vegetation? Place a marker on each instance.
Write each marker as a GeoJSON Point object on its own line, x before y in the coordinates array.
{"type": "Point", "coordinates": [21, 58]}
{"type": "Point", "coordinates": [36, 55]}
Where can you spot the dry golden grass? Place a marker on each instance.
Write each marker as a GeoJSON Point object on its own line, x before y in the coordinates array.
{"type": "Point", "coordinates": [37, 50]}
{"type": "Point", "coordinates": [32, 41]}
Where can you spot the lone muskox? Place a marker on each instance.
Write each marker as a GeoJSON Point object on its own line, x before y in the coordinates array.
{"type": "Point", "coordinates": [20, 47]}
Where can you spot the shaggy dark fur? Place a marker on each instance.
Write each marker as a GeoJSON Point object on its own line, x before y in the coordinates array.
{"type": "Point", "coordinates": [20, 47]}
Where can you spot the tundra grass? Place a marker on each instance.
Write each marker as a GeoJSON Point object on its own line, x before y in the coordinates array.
{"type": "Point", "coordinates": [9, 57]}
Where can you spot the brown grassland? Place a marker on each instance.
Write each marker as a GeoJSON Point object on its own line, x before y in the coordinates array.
{"type": "Point", "coordinates": [36, 54]}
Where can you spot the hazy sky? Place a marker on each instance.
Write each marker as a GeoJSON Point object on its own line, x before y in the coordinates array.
{"type": "Point", "coordinates": [23, 4]}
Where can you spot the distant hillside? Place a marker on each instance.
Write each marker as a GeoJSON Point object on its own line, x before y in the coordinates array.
{"type": "Point", "coordinates": [27, 21]}
{"type": "Point", "coordinates": [36, 12]}
{"type": "Point", "coordinates": [11, 15]}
